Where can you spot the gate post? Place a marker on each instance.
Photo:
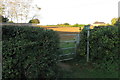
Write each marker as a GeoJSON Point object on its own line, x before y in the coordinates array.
{"type": "Point", "coordinates": [78, 39]}
{"type": "Point", "coordinates": [77, 43]}
{"type": "Point", "coordinates": [88, 34]}
{"type": "Point", "coordinates": [88, 52]}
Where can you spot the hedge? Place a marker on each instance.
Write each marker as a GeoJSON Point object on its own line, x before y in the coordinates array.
{"type": "Point", "coordinates": [29, 52]}
{"type": "Point", "coordinates": [103, 46]}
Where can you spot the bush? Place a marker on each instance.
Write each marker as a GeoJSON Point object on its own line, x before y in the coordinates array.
{"type": "Point", "coordinates": [29, 52]}
{"type": "Point", "coordinates": [103, 46]}
{"type": "Point", "coordinates": [10, 21]}
{"type": "Point", "coordinates": [36, 21]}
{"type": "Point", "coordinates": [66, 24]}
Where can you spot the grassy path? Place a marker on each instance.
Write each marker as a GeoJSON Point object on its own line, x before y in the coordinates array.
{"type": "Point", "coordinates": [75, 69]}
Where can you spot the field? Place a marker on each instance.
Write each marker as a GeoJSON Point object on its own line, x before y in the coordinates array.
{"type": "Point", "coordinates": [64, 30]}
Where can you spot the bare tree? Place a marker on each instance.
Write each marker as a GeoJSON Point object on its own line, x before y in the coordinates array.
{"type": "Point", "coordinates": [17, 9]}
{"type": "Point", "coordinates": [1, 8]}
{"type": "Point", "coordinates": [36, 11]}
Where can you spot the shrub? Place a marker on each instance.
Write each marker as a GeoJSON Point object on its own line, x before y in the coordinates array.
{"type": "Point", "coordinates": [36, 21]}
{"type": "Point", "coordinates": [10, 21]}
{"type": "Point", "coordinates": [66, 24]}
{"type": "Point", "coordinates": [29, 52]}
{"type": "Point", "coordinates": [103, 46]}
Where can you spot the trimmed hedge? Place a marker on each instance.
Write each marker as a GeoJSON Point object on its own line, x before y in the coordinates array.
{"type": "Point", "coordinates": [103, 46]}
{"type": "Point", "coordinates": [29, 52]}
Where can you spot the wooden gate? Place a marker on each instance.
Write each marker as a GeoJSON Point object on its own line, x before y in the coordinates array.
{"type": "Point", "coordinates": [71, 50]}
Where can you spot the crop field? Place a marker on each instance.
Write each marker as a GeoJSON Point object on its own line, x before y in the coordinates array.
{"type": "Point", "coordinates": [64, 30]}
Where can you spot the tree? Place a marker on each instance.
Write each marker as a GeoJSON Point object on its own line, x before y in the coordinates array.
{"type": "Point", "coordinates": [37, 9]}
{"type": "Point", "coordinates": [76, 25]}
{"type": "Point", "coordinates": [1, 8]}
{"type": "Point", "coordinates": [113, 21]}
{"type": "Point", "coordinates": [66, 24]}
{"type": "Point", "coordinates": [36, 21]}
{"type": "Point", "coordinates": [17, 10]}
{"type": "Point", "coordinates": [3, 19]}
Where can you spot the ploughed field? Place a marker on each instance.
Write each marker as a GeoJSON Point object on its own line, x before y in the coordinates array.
{"type": "Point", "coordinates": [64, 30]}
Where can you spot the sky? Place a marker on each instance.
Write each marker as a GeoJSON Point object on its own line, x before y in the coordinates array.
{"type": "Point", "coordinates": [76, 11]}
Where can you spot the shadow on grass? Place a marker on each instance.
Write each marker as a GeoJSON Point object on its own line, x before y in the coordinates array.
{"type": "Point", "coordinates": [81, 69]}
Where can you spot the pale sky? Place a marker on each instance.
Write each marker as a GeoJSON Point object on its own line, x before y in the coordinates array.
{"type": "Point", "coordinates": [76, 11]}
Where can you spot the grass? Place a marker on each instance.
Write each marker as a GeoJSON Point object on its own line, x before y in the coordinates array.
{"type": "Point", "coordinates": [66, 45]}
{"type": "Point", "coordinates": [80, 69]}
{"type": "Point", "coordinates": [67, 51]}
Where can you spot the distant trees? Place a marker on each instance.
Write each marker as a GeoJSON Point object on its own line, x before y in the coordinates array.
{"type": "Point", "coordinates": [69, 25]}
{"type": "Point", "coordinates": [36, 21]}
{"type": "Point", "coordinates": [76, 25]}
{"type": "Point", "coordinates": [66, 24]}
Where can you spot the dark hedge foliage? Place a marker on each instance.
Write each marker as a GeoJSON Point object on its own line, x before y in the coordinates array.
{"type": "Point", "coordinates": [104, 44]}
{"type": "Point", "coordinates": [29, 52]}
